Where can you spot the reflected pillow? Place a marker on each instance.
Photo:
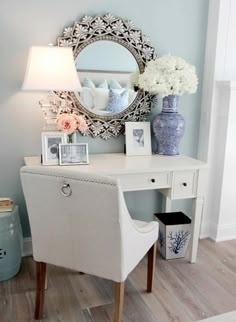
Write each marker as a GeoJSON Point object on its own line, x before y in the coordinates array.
{"type": "Point", "coordinates": [103, 84]}
{"type": "Point", "coordinates": [88, 83]}
{"type": "Point", "coordinates": [100, 97]}
{"type": "Point", "coordinates": [114, 84]}
{"type": "Point", "coordinates": [117, 101]}
{"type": "Point", "coordinates": [86, 97]}
{"type": "Point", "coordinates": [132, 95]}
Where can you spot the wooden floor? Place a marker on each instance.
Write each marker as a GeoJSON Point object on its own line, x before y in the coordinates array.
{"type": "Point", "coordinates": [182, 292]}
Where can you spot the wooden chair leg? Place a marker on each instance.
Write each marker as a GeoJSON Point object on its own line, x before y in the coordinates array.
{"type": "Point", "coordinates": [46, 281]}
{"type": "Point", "coordinates": [40, 289]}
{"type": "Point", "coordinates": [119, 300]}
{"type": "Point", "coordinates": [151, 266]}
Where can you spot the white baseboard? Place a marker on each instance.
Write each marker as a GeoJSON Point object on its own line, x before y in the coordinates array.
{"type": "Point", "coordinates": [218, 232]}
{"type": "Point", "coordinates": [27, 247]}
{"type": "Point", "coordinates": [226, 232]}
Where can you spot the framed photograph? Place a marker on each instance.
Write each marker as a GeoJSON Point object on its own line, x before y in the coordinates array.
{"type": "Point", "coordinates": [50, 146]}
{"type": "Point", "coordinates": [73, 153]}
{"type": "Point", "coordinates": [138, 138]}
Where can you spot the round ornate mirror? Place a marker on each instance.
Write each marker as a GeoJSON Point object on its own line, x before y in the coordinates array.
{"type": "Point", "coordinates": [107, 50]}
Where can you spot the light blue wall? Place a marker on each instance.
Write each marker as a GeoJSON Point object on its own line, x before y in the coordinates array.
{"type": "Point", "coordinates": [176, 27]}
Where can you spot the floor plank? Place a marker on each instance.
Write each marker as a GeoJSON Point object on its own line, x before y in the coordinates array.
{"type": "Point", "coordinates": [182, 292]}
{"type": "Point", "coordinates": [91, 291]}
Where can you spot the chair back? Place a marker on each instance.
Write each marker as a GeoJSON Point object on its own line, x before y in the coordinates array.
{"type": "Point", "coordinates": [75, 219]}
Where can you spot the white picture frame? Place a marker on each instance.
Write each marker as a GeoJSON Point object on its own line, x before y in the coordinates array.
{"type": "Point", "coordinates": [50, 146]}
{"type": "Point", "coordinates": [138, 138]}
{"type": "Point", "coordinates": [73, 154]}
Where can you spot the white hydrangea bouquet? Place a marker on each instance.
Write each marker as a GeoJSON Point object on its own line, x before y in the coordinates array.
{"type": "Point", "coordinates": [168, 75]}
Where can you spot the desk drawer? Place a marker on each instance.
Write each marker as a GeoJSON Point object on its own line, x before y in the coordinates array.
{"type": "Point", "coordinates": [184, 184]}
{"type": "Point", "coordinates": [144, 181]}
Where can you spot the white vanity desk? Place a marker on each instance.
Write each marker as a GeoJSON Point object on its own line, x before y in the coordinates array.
{"type": "Point", "coordinates": [176, 177]}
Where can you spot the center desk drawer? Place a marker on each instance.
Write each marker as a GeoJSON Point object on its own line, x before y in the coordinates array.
{"type": "Point", "coordinates": [144, 181]}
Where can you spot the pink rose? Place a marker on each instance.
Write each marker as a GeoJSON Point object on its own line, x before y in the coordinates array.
{"type": "Point", "coordinates": [67, 123]}
{"type": "Point", "coordinates": [81, 123]}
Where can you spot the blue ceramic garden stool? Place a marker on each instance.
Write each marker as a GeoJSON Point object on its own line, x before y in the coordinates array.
{"type": "Point", "coordinates": [10, 244]}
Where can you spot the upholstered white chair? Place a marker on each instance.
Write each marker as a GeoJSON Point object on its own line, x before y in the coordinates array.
{"type": "Point", "coordinates": [80, 221]}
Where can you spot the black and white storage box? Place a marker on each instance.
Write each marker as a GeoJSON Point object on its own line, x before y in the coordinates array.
{"type": "Point", "coordinates": [174, 234]}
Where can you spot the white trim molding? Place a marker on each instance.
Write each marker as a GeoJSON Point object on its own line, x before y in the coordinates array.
{"type": "Point", "coordinates": [218, 232]}
{"type": "Point", "coordinates": [218, 119]}
{"type": "Point", "coordinates": [219, 220]}
{"type": "Point", "coordinates": [226, 232]}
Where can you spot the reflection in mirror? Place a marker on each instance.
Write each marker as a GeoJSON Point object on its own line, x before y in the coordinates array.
{"type": "Point", "coordinates": [101, 39]}
{"type": "Point", "coordinates": [104, 68]}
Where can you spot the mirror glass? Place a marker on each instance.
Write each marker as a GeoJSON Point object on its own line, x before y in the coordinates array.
{"type": "Point", "coordinates": [104, 69]}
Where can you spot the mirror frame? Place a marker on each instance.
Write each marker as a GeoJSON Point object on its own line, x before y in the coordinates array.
{"type": "Point", "coordinates": [108, 27]}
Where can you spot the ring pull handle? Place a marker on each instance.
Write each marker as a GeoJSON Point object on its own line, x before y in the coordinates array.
{"type": "Point", "coordinates": [66, 190]}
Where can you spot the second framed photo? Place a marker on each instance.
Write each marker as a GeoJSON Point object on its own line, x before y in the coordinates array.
{"type": "Point", "coordinates": [50, 146]}
{"type": "Point", "coordinates": [73, 153]}
{"type": "Point", "coordinates": [138, 138]}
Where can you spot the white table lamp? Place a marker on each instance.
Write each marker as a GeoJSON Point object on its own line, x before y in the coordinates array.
{"type": "Point", "coordinates": [51, 69]}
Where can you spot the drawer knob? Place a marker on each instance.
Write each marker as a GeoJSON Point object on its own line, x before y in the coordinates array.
{"type": "Point", "coordinates": [185, 184]}
{"type": "Point", "coordinates": [153, 180]}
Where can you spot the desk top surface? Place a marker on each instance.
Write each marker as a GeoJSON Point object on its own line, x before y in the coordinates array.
{"type": "Point", "coordinates": [115, 163]}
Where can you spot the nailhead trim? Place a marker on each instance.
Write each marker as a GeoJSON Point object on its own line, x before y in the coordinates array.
{"type": "Point", "coordinates": [31, 171]}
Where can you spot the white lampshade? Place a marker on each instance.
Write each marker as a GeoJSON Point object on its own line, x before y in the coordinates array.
{"type": "Point", "coordinates": [51, 68]}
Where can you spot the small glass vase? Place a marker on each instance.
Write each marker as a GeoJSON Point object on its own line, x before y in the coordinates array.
{"type": "Point", "coordinates": [72, 137]}
{"type": "Point", "coordinates": [168, 126]}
